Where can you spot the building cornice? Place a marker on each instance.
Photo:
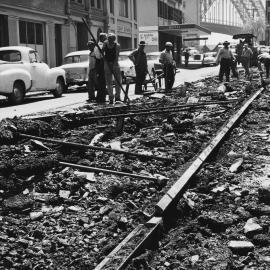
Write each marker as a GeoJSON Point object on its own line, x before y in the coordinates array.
{"type": "Point", "coordinates": [34, 10]}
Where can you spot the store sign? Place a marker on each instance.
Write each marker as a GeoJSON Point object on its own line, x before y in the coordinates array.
{"type": "Point", "coordinates": [124, 29]}
{"type": "Point", "coordinates": [150, 38]}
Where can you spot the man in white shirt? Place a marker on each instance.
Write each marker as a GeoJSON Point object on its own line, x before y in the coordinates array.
{"type": "Point", "coordinates": [166, 59]}
{"type": "Point", "coordinates": [92, 71]}
{"type": "Point", "coordinates": [101, 82]}
{"type": "Point", "coordinates": [225, 57]}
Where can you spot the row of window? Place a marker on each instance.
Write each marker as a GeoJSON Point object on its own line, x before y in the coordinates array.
{"type": "Point", "coordinates": [123, 6]}
{"type": "Point", "coordinates": [169, 13]}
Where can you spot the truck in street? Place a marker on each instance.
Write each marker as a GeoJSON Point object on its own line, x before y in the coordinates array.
{"type": "Point", "coordinates": [22, 71]}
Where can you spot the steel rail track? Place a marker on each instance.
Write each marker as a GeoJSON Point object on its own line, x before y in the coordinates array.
{"type": "Point", "coordinates": [96, 148]}
{"type": "Point", "coordinates": [146, 235]}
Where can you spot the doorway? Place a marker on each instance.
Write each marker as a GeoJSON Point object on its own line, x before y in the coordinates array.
{"type": "Point", "coordinates": [82, 36]}
{"type": "Point", "coordinates": [4, 40]}
{"type": "Point", "coordinates": [58, 45]}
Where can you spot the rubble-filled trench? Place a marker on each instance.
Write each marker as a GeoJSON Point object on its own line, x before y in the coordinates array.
{"type": "Point", "coordinates": [223, 220]}
{"type": "Point", "coordinates": [54, 217]}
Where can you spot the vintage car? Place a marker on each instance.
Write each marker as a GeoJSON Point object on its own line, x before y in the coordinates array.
{"type": "Point", "coordinates": [76, 67]}
{"type": "Point", "coordinates": [22, 71]}
{"type": "Point", "coordinates": [126, 66]}
{"type": "Point", "coordinates": [153, 64]}
{"type": "Point", "coordinates": [209, 58]}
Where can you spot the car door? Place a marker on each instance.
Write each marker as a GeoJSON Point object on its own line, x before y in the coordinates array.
{"type": "Point", "coordinates": [38, 71]}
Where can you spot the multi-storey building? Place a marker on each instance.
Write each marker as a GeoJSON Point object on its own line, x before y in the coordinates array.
{"type": "Point", "coordinates": [123, 21]}
{"type": "Point", "coordinates": [168, 20]}
{"type": "Point", "coordinates": [267, 15]}
{"type": "Point", "coordinates": [55, 28]}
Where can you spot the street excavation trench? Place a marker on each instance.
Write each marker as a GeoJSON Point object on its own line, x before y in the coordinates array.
{"type": "Point", "coordinates": [57, 212]}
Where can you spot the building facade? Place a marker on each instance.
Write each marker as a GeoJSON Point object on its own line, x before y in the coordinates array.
{"type": "Point", "coordinates": [168, 20]}
{"type": "Point", "coordinates": [55, 28]}
{"type": "Point", "coordinates": [267, 16]}
{"type": "Point", "coordinates": [122, 16]}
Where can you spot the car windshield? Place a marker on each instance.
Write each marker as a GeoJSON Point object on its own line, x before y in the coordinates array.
{"type": "Point", "coordinates": [152, 57]}
{"type": "Point", "coordinates": [10, 56]}
{"type": "Point", "coordinates": [123, 57]}
{"type": "Point", "coordinates": [76, 59]}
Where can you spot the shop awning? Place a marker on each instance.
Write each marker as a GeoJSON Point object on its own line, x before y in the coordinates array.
{"type": "Point", "coordinates": [180, 29]}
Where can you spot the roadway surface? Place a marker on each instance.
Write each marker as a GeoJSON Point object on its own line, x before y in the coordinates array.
{"type": "Point", "coordinates": [47, 103]}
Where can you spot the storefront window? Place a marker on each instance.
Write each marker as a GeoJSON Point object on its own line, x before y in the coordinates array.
{"type": "Point", "coordinates": [31, 33]}
{"type": "Point", "coordinates": [92, 3]}
{"type": "Point", "coordinates": [78, 1]}
{"type": "Point", "coordinates": [123, 8]}
{"type": "Point", "coordinates": [111, 7]}
{"type": "Point", "coordinates": [135, 9]}
{"type": "Point", "coordinates": [99, 4]}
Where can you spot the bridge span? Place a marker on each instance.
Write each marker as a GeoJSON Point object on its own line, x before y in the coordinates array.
{"type": "Point", "coordinates": [229, 16]}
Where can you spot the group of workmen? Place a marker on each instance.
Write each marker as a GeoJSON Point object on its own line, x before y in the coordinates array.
{"type": "Point", "coordinates": [244, 55]}
{"type": "Point", "coordinates": [104, 66]}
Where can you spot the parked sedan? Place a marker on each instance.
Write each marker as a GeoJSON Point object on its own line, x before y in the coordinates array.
{"type": "Point", "coordinates": [126, 66]}
{"type": "Point", "coordinates": [76, 67]}
{"type": "Point", "coordinates": [209, 58]}
{"type": "Point", "coordinates": [154, 66]}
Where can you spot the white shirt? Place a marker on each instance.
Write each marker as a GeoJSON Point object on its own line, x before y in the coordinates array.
{"type": "Point", "coordinates": [97, 51]}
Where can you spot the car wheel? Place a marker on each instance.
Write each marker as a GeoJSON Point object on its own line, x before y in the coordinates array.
{"type": "Point", "coordinates": [60, 88]}
{"type": "Point", "coordinates": [18, 93]}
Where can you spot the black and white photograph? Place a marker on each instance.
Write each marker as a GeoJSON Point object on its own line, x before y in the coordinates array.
{"type": "Point", "coordinates": [134, 135]}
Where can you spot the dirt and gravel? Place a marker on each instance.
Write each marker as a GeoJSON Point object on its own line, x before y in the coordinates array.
{"type": "Point", "coordinates": [54, 217]}
{"type": "Point", "coordinates": [223, 220]}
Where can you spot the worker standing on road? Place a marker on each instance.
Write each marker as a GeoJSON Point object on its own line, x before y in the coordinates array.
{"type": "Point", "coordinates": [265, 59]}
{"type": "Point", "coordinates": [246, 58]}
{"type": "Point", "coordinates": [111, 50]}
{"type": "Point", "coordinates": [138, 57]}
{"type": "Point", "coordinates": [92, 76]}
{"type": "Point", "coordinates": [238, 50]}
{"type": "Point", "coordinates": [224, 57]}
{"type": "Point", "coordinates": [101, 82]}
{"type": "Point", "coordinates": [166, 59]}
{"type": "Point", "coordinates": [186, 55]}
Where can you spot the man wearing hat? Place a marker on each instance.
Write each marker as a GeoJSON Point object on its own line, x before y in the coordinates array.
{"type": "Point", "coordinates": [138, 57]}
{"type": "Point", "coordinates": [166, 59]}
{"type": "Point", "coordinates": [111, 50]}
{"type": "Point", "coordinates": [225, 57]}
{"type": "Point", "coordinates": [92, 71]}
{"type": "Point", "coordinates": [246, 58]}
{"type": "Point", "coordinates": [101, 82]}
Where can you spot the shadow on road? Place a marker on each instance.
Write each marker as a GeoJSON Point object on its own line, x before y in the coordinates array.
{"type": "Point", "coordinates": [31, 99]}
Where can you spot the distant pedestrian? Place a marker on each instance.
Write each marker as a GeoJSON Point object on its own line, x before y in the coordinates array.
{"type": "Point", "coordinates": [238, 50]}
{"type": "Point", "coordinates": [264, 59]}
{"type": "Point", "coordinates": [101, 82]}
{"type": "Point", "coordinates": [166, 59]}
{"type": "Point", "coordinates": [224, 57]}
{"type": "Point", "coordinates": [138, 57]}
{"type": "Point", "coordinates": [92, 76]}
{"type": "Point", "coordinates": [186, 55]}
{"type": "Point", "coordinates": [111, 51]}
{"type": "Point", "coordinates": [246, 59]}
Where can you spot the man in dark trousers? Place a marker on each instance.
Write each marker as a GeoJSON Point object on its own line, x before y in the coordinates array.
{"type": "Point", "coordinates": [101, 82]}
{"type": "Point", "coordinates": [111, 50]}
{"type": "Point", "coordinates": [166, 59]}
{"type": "Point", "coordinates": [138, 57]}
{"type": "Point", "coordinates": [265, 59]}
{"type": "Point", "coordinates": [186, 55]}
{"type": "Point", "coordinates": [225, 58]}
